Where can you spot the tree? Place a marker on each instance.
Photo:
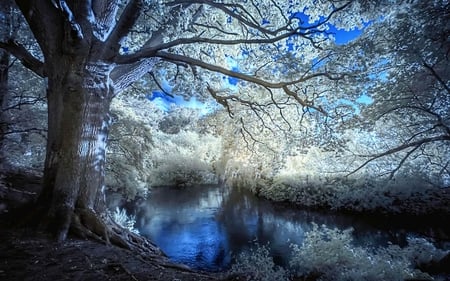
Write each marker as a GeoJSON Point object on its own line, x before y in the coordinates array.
{"type": "Point", "coordinates": [93, 49]}
{"type": "Point", "coordinates": [412, 94]}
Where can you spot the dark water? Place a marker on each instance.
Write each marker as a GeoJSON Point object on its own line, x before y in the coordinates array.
{"type": "Point", "coordinates": [205, 227]}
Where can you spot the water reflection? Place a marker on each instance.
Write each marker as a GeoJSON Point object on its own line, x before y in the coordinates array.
{"type": "Point", "coordinates": [204, 227]}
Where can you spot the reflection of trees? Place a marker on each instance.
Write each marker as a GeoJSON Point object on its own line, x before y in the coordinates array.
{"type": "Point", "coordinates": [237, 210]}
{"type": "Point", "coordinates": [246, 218]}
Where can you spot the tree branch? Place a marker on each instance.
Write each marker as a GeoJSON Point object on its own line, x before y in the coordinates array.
{"type": "Point", "coordinates": [249, 20]}
{"type": "Point", "coordinates": [399, 148]}
{"type": "Point", "coordinates": [391, 176]}
{"type": "Point", "coordinates": [125, 75]}
{"type": "Point", "coordinates": [436, 75]}
{"type": "Point", "coordinates": [25, 57]}
{"type": "Point", "coordinates": [126, 21]}
{"type": "Point", "coordinates": [268, 36]}
{"type": "Point", "coordinates": [148, 52]}
{"type": "Point", "coordinates": [440, 120]}
{"type": "Point", "coordinates": [253, 79]}
{"type": "Point", "coordinates": [70, 18]}
{"type": "Point", "coordinates": [41, 132]}
{"type": "Point", "coordinates": [105, 12]}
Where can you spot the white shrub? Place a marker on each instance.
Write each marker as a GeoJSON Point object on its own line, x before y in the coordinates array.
{"type": "Point", "coordinates": [121, 217]}
{"type": "Point", "coordinates": [329, 253]}
{"type": "Point", "coordinates": [257, 265]}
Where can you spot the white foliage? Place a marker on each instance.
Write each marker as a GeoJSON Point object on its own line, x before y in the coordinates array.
{"type": "Point", "coordinates": [143, 156]}
{"type": "Point", "coordinates": [258, 265]}
{"type": "Point", "coordinates": [121, 217]}
{"type": "Point", "coordinates": [331, 255]}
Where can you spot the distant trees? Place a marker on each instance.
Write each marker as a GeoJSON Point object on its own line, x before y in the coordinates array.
{"type": "Point", "coordinates": [141, 155]}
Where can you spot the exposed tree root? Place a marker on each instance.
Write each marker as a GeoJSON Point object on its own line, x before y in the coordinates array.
{"type": "Point", "coordinates": [87, 223]}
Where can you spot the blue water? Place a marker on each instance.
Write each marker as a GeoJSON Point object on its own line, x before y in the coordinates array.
{"type": "Point", "coordinates": [206, 227]}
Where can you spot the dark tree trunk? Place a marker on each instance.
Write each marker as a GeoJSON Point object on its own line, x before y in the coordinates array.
{"type": "Point", "coordinates": [80, 87]}
{"type": "Point", "coordinates": [73, 196]}
{"type": "Point", "coordinates": [79, 98]}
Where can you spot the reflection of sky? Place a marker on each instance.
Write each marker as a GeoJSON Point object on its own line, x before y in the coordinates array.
{"type": "Point", "coordinates": [203, 233]}
{"type": "Point", "coordinates": [205, 227]}
{"type": "Point", "coordinates": [200, 243]}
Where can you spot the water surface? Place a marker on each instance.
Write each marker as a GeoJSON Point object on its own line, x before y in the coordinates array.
{"type": "Point", "coordinates": [205, 227]}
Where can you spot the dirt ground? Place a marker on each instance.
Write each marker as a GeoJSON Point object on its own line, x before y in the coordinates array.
{"type": "Point", "coordinates": [29, 255]}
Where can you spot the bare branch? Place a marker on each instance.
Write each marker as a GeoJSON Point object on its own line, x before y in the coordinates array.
{"type": "Point", "coordinates": [399, 148]}
{"type": "Point", "coordinates": [24, 101]}
{"type": "Point", "coordinates": [437, 76]}
{"type": "Point", "coordinates": [126, 21]}
{"type": "Point", "coordinates": [440, 121]}
{"type": "Point", "coordinates": [41, 132]}
{"type": "Point", "coordinates": [253, 79]}
{"type": "Point", "coordinates": [26, 58]}
{"type": "Point", "coordinates": [159, 85]}
{"type": "Point", "coordinates": [400, 164]}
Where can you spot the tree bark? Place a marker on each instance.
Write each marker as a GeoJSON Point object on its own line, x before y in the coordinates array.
{"type": "Point", "coordinates": [73, 196]}
{"type": "Point", "coordinates": [79, 97]}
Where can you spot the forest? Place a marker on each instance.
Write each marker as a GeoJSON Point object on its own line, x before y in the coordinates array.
{"type": "Point", "coordinates": [118, 115]}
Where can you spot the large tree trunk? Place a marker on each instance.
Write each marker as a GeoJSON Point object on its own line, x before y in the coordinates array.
{"type": "Point", "coordinates": [79, 97]}
{"type": "Point", "coordinates": [78, 55]}
{"type": "Point", "coordinates": [73, 196]}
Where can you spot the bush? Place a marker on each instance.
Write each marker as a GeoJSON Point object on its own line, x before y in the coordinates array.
{"type": "Point", "coordinates": [258, 265]}
{"type": "Point", "coordinates": [121, 217]}
{"type": "Point", "coordinates": [329, 253]}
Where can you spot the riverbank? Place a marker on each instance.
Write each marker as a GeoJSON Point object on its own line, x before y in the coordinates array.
{"type": "Point", "coordinates": [26, 254]}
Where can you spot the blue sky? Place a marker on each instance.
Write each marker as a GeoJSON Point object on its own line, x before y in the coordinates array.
{"type": "Point", "coordinates": [342, 37]}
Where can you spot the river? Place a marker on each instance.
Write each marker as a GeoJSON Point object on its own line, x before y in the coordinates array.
{"type": "Point", "coordinates": [205, 227]}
